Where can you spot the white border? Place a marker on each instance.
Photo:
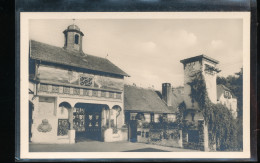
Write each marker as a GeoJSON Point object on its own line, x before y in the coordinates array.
{"type": "Point", "coordinates": [24, 83]}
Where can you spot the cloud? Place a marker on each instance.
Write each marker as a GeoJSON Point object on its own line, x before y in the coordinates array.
{"type": "Point", "coordinates": [178, 39]}
{"type": "Point", "coordinates": [216, 44]}
{"type": "Point", "coordinates": [148, 46]}
{"type": "Point", "coordinates": [188, 37]}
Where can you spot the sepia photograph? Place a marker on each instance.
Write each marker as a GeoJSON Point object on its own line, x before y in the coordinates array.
{"type": "Point", "coordinates": [99, 85]}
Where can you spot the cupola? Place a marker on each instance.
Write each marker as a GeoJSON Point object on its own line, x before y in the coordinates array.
{"type": "Point", "coordinates": [73, 38]}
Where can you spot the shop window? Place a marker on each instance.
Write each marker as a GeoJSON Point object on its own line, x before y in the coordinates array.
{"type": "Point", "coordinates": [63, 127]}
{"type": "Point", "coordinates": [79, 119]}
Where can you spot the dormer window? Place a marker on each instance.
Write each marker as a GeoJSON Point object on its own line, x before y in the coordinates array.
{"type": "Point", "coordinates": [76, 39]}
{"type": "Point", "coordinates": [227, 95]}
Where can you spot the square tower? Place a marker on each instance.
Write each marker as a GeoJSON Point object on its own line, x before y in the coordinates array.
{"type": "Point", "coordinates": [205, 65]}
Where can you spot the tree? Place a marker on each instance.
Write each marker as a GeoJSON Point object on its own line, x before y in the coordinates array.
{"type": "Point", "coordinates": [235, 84]}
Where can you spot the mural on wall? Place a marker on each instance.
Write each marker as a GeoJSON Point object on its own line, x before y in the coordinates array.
{"type": "Point", "coordinates": [44, 126]}
{"type": "Point", "coordinates": [51, 74]}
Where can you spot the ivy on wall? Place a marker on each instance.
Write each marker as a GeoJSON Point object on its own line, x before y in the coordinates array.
{"type": "Point", "coordinates": [222, 126]}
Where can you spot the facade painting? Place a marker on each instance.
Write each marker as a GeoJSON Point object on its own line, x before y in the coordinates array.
{"type": "Point", "coordinates": [55, 74]}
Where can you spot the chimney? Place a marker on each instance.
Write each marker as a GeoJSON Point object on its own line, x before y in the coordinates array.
{"type": "Point", "coordinates": [166, 93]}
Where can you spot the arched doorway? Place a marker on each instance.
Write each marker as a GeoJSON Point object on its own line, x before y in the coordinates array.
{"type": "Point", "coordinates": [88, 120]}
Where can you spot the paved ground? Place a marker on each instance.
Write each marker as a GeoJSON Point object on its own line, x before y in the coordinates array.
{"type": "Point", "coordinates": [96, 146]}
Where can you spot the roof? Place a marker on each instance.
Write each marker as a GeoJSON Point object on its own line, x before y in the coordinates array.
{"type": "Point", "coordinates": [53, 54]}
{"type": "Point", "coordinates": [220, 90]}
{"type": "Point", "coordinates": [143, 100]}
{"type": "Point", "coordinates": [199, 57]}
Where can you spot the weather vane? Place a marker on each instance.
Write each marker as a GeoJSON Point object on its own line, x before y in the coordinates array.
{"type": "Point", "coordinates": [73, 21]}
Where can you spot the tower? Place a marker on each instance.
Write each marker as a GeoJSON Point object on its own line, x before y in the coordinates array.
{"type": "Point", "coordinates": [208, 68]}
{"type": "Point", "coordinates": [73, 38]}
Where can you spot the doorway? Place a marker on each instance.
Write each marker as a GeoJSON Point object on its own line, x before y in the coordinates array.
{"type": "Point", "coordinates": [87, 121]}
{"type": "Point", "coordinates": [133, 130]}
{"type": "Point", "coordinates": [31, 107]}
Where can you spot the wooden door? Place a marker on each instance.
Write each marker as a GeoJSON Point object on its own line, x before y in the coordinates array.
{"type": "Point", "coordinates": [133, 130]}
{"type": "Point", "coordinates": [93, 125]}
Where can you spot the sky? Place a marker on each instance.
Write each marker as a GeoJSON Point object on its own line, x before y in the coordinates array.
{"type": "Point", "coordinates": [150, 50]}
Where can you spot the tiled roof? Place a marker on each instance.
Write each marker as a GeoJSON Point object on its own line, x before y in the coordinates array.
{"type": "Point", "coordinates": [53, 54]}
{"type": "Point", "coordinates": [220, 90]}
{"type": "Point", "coordinates": [143, 100]}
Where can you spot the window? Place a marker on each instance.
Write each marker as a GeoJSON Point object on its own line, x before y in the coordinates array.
{"type": "Point", "coordinates": [227, 94]}
{"type": "Point", "coordinates": [152, 117]}
{"type": "Point", "coordinates": [76, 39]}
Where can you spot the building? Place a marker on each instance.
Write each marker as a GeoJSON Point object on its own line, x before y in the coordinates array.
{"type": "Point", "coordinates": [196, 131]}
{"type": "Point", "coordinates": [227, 98]}
{"type": "Point", "coordinates": [145, 107]}
{"type": "Point", "coordinates": [73, 95]}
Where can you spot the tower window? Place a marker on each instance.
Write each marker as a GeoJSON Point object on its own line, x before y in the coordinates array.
{"type": "Point", "coordinates": [76, 39]}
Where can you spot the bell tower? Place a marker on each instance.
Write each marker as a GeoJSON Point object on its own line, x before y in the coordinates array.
{"type": "Point", "coordinates": [73, 38]}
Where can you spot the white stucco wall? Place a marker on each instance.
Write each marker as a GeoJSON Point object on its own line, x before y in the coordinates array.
{"type": "Point", "coordinates": [229, 103]}
{"type": "Point", "coordinates": [211, 81]}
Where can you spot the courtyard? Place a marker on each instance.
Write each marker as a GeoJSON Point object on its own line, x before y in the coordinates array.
{"type": "Point", "coordinates": [97, 146]}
